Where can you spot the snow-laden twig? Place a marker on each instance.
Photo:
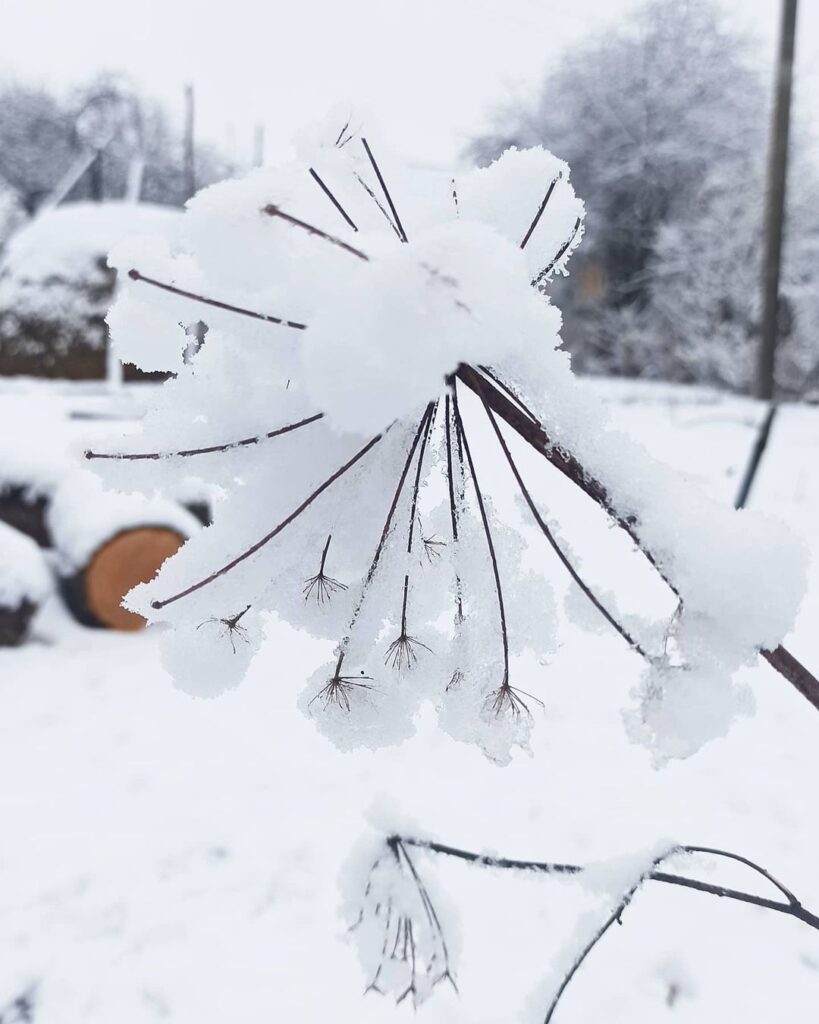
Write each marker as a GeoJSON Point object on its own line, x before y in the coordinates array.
{"type": "Point", "coordinates": [533, 433]}
{"type": "Point", "coordinates": [229, 566]}
{"type": "Point", "coordinates": [226, 446]}
{"type": "Point", "coordinates": [385, 190]}
{"type": "Point", "coordinates": [550, 537]}
{"type": "Point", "coordinates": [331, 196]}
{"type": "Point", "coordinates": [137, 275]}
{"type": "Point", "coordinates": [789, 905]}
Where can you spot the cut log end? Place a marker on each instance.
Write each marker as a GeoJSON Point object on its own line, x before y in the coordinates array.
{"type": "Point", "coordinates": [132, 557]}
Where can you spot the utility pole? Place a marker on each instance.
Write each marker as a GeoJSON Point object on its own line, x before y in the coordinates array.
{"type": "Point", "coordinates": [190, 164]}
{"type": "Point", "coordinates": [775, 204]}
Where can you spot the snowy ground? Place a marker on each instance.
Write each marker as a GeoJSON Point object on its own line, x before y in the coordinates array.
{"type": "Point", "coordinates": [169, 859]}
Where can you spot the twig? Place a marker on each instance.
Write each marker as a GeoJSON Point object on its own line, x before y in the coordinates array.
{"type": "Point", "coordinates": [561, 252]}
{"type": "Point", "coordinates": [791, 906]}
{"type": "Point", "coordinates": [401, 652]}
{"type": "Point", "coordinates": [541, 208]}
{"type": "Point", "coordinates": [789, 667]}
{"type": "Point", "coordinates": [453, 507]}
{"type": "Point", "coordinates": [274, 211]}
{"type": "Point", "coordinates": [136, 275]}
{"type": "Point", "coordinates": [385, 190]}
{"type": "Point", "coordinates": [187, 452]}
{"type": "Point", "coordinates": [322, 585]}
{"type": "Point", "coordinates": [505, 697]}
{"type": "Point", "coordinates": [234, 630]}
{"type": "Point", "coordinates": [487, 371]}
{"type": "Point", "coordinates": [550, 537]}
{"type": "Point", "coordinates": [383, 538]}
{"type": "Point", "coordinates": [325, 189]}
{"type": "Point", "coordinates": [378, 203]}
{"type": "Point", "coordinates": [274, 532]}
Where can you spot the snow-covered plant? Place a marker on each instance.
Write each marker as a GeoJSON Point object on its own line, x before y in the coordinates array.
{"type": "Point", "coordinates": [406, 951]}
{"type": "Point", "coordinates": [365, 319]}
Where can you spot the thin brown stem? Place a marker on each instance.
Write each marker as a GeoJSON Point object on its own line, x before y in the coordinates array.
{"type": "Point", "coordinates": [780, 659]}
{"type": "Point", "coordinates": [321, 585]}
{"type": "Point", "coordinates": [274, 211]}
{"type": "Point", "coordinates": [459, 426]}
{"type": "Point", "coordinates": [401, 653]}
{"type": "Point", "coordinates": [385, 190]}
{"type": "Point", "coordinates": [561, 252]}
{"type": "Point", "coordinates": [417, 482]}
{"type": "Point", "coordinates": [379, 204]}
{"type": "Point", "coordinates": [136, 275]}
{"type": "Point", "coordinates": [187, 452]}
{"type": "Point", "coordinates": [229, 566]}
{"type": "Point", "coordinates": [790, 907]}
{"type": "Point", "coordinates": [614, 917]}
{"type": "Point", "coordinates": [384, 534]}
{"type": "Point", "coordinates": [453, 505]}
{"type": "Point", "coordinates": [550, 537]}
{"type": "Point", "coordinates": [326, 190]}
{"type": "Point", "coordinates": [487, 371]}
{"type": "Point", "coordinates": [541, 208]}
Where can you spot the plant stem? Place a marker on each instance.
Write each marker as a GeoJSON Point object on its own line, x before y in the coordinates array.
{"type": "Point", "coordinates": [533, 433]}
{"type": "Point", "coordinates": [136, 275]}
{"type": "Point", "coordinates": [275, 531]}
{"type": "Point", "coordinates": [187, 452]}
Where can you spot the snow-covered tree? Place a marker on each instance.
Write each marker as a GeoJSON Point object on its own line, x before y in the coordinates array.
{"type": "Point", "coordinates": [665, 121]}
{"type": "Point", "coordinates": [42, 135]}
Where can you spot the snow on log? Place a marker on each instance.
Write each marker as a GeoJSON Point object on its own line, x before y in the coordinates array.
{"type": "Point", "coordinates": [24, 584]}
{"type": "Point", "coordinates": [106, 543]}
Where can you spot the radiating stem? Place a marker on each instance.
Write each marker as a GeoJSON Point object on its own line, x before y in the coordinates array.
{"type": "Point", "coordinates": [550, 537]}
{"type": "Point", "coordinates": [136, 275]}
{"type": "Point", "coordinates": [459, 426]}
{"type": "Point", "coordinates": [187, 452]}
{"type": "Point", "coordinates": [229, 566]}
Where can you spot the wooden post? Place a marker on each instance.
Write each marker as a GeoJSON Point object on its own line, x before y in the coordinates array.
{"type": "Point", "coordinates": [190, 162]}
{"type": "Point", "coordinates": [775, 205]}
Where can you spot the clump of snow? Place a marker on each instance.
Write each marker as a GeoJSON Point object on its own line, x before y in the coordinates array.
{"type": "Point", "coordinates": [211, 657]}
{"type": "Point", "coordinates": [83, 515]}
{"type": "Point", "coordinates": [387, 336]}
{"type": "Point", "coordinates": [372, 489]}
{"type": "Point", "coordinates": [681, 707]}
{"type": "Point", "coordinates": [24, 576]}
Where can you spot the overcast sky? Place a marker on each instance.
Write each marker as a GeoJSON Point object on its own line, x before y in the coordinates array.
{"type": "Point", "coordinates": [430, 71]}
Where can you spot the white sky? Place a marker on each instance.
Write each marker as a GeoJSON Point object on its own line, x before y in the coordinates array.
{"type": "Point", "coordinates": [428, 70]}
